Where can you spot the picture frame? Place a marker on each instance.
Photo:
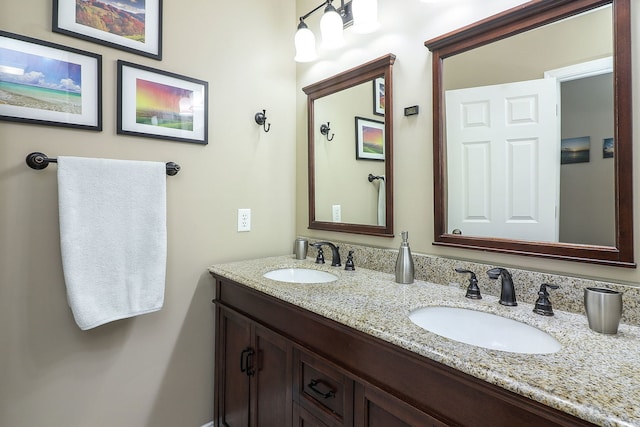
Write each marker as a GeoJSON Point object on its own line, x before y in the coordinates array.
{"type": "Point", "coordinates": [127, 25]}
{"type": "Point", "coordinates": [49, 84]}
{"type": "Point", "coordinates": [575, 150]}
{"type": "Point", "coordinates": [378, 96]}
{"type": "Point", "coordinates": [608, 148]}
{"type": "Point", "coordinates": [158, 104]}
{"type": "Point", "coordinates": [370, 139]}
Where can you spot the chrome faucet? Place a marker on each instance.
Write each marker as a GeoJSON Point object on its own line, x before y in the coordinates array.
{"type": "Point", "coordinates": [335, 252]}
{"type": "Point", "coordinates": [508, 292]}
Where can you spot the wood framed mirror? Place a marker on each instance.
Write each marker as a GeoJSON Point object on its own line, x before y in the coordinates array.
{"type": "Point", "coordinates": [350, 142]}
{"type": "Point", "coordinates": [464, 188]}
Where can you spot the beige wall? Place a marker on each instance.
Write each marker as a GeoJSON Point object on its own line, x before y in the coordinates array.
{"type": "Point", "coordinates": [404, 30]}
{"type": "Point", "coordinates": [153, 370]}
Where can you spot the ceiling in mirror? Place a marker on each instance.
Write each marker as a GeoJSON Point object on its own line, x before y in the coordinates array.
{"type": "Point", "coordinates": [350, 142]}
{"type": "Point", "coordinates": [532, 133]}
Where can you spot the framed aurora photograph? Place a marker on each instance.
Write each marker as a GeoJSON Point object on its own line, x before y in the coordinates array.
{"type": "Point", "coordinates": [369, 139]}
{"type": "Point", "coordinates": [49, 84]}
{"type": "Point", "coordinates": [158, 104]}
{"type": "Point", "coordinates": [130, 25]}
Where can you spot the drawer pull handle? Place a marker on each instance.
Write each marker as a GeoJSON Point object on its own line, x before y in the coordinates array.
{"type": "Point", "coordinates": [245, 365]}
{"type": "Point", "coordinates": [325, 395]}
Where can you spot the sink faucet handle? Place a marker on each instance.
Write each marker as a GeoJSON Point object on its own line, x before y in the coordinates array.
{"type": "Point", "coordinates": [473, 291]}
{"type": "Point", "coordinates": [349, 265]}
{"type": "Point", "coordinates": [320, 257]}
{"type": "Point", "coordinates": [543, 304]}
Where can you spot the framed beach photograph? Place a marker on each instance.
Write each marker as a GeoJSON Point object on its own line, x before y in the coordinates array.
{"type": "Point", "coordinates": [369, 139]}
{"type": "Point", "coordinates": [378, 96]}
{"type": "Point", "coordinates": [158, 104]}
{"type": "Point", "coordinates": [608, 148]}
{"type": "Point", "coordinates": [575, 150]}
{"type": "Point", "coordinates": [49, 84]}
{"type": "Point", "coordinates": [130, 25]}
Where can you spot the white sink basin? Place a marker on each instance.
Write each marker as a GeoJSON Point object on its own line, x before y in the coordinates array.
{"type": "Point", "coordinates": [484, 330]}
{"type": "Point", "coordinates": [300, 275]}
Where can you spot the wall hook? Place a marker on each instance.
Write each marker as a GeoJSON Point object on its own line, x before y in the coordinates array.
{"type": "Point", "coordinates": [261, 119]}
{"type": "Point", "coordinates": [325, 129]}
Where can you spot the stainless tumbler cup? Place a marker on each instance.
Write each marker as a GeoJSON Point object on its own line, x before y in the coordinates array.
{"type": "Point", "coordinates": [604, 309]}
{"type": "Point", "coordinates": [300, 248]}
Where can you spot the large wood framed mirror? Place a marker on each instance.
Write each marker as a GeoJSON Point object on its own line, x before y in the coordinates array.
{"type": "Point", "coordinates": [350, 141]}
{"type": "Point", "coordinates": [533, 132]}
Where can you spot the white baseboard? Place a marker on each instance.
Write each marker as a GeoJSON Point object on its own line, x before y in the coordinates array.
{"type": "Point", "coordinates": [209, 424]}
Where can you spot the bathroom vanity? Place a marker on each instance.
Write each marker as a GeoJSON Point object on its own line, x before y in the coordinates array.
{"type": "Point", "coordinates": [345, 353]}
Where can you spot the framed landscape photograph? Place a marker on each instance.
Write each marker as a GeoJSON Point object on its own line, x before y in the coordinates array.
{"type": "Point", "coordinates": [575, 150]}
{"type": "Point", "coordinates": [608, 148]}
{"type": "Point", "coordinates": [158, 104]}
{"type": "Point", "coordinates": [130, 25]}
{"type": "Point", "coordinates": [369, 139]}
{"type": "Point", "coordinates": [378, 96]}
{"type": "Point", "coordinates": [49, 84]}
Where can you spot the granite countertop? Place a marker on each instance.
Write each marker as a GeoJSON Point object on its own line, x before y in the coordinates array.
{"type": "Point", "coordinates": [593, 376]}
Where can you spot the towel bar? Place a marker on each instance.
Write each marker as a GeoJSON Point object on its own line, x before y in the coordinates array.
{"type": "Point", "coordinates": [372, 177]}
{"type": "Point", "coordinates": [38, 160]}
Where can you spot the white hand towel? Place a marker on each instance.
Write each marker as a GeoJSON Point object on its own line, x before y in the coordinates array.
{"type": "Point", "coordinates": [113, 237]}
{"type": "Point", "coordinates": [382, 201]}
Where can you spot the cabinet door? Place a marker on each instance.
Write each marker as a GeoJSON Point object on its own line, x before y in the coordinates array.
{"type": "Point", "coordinates": [232, 382]}
{"type": "Point", "coordinates": [303, 418]}
{"type": "Point", "coordinates": [271, 384]}
{"type": "Point", "coordinates": [376, 408]}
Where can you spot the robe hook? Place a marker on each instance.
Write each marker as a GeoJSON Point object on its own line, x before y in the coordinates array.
{"type": "Point", "coordinates": [325, 129]}
{"type": "Point", "coordinates": [261, 119]}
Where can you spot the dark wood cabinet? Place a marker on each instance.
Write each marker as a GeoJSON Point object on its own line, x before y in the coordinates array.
{"type": "Point", "coordinates": [322, 389]}
{"type": "Point", "coordinates": [253, 373]}
{"type": "Point", "coordinates": [376, 408]}
{"type": "Point", "coordinates": [312, 371]}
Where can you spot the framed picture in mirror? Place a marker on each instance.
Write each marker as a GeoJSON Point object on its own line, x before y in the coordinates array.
{"type": "Point", "coordinates": [378, 96]}
{"type": "Point", "coordinates": [369, 139]}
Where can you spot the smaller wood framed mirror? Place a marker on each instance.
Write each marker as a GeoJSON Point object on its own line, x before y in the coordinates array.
{"type": "Point", "coordinates": [350, 142]}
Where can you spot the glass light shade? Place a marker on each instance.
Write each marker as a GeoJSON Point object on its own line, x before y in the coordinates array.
{"type": "Point", "coordinates": [331, 29]}
{"type": "Point", "coordinates": [305, 43]}
{"type": "Point", "coordinates": [365, 16]}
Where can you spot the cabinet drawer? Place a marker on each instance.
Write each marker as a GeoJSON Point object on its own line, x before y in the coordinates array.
{"type": "Point", "coordinates": [323, 389]}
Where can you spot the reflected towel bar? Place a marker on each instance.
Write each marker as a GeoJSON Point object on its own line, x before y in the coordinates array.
{"type": "Point", "coordinates": [372, 177]}
{"type": "Point", "coordinates": [38, 160]}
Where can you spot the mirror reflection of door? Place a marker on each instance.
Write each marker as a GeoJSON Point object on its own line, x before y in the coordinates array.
{"type": "Point", "coordinates": [586, 207]}
{"type": "Point", "coordinates": [343, 190]}
{"type": "Point", "coordinates": [503, 160]}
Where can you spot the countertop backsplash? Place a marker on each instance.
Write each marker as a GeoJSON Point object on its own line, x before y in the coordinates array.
{"type": "Point", "coordinates": [439, 270]}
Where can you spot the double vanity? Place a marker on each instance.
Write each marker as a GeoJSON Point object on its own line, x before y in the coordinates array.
{"type": "Point", "coordinates": [305, 344]}
{"type": "Point", "coordinates": [347, 349]}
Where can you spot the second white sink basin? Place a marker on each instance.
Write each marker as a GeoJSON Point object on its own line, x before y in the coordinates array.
{"type": "Point", "coordinates": [300, 275]}
{"type": "Point", "coordinates": [484, 330]}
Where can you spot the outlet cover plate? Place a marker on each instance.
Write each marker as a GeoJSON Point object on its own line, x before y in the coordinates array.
{"type": "Point", "coordinates": [244, 220]}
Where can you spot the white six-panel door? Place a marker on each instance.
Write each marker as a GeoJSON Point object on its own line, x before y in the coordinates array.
{"type": "Point", "coordinates": [503, 149]}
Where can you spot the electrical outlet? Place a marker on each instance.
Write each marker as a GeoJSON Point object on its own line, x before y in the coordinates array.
{"type": "Point", "coordinates": [244, 219]}
{"type": "Point", "coordinates": [337, 213]}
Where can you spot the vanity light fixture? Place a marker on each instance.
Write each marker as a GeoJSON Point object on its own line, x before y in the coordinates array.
{"type": "Point", "coordinates": [365, 16]}
{"type": "Point", "coordinates": [332, 26]}
{"type": "Point", "coordinates": [325, 129]}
